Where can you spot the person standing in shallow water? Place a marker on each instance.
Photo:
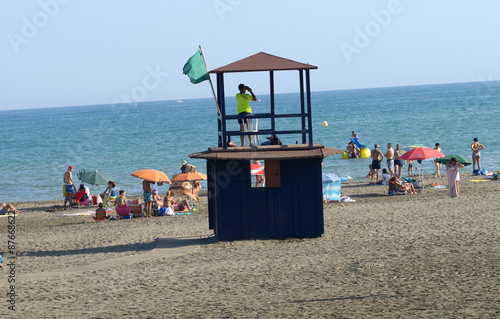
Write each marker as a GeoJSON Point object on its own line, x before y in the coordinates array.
{"type": "Point", "coordinates": [476, 148]}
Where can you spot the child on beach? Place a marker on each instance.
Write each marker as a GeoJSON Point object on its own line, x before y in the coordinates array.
{"type": "Point", "coordinates": [411, 164]}
{"type": "Point", "coordinates": [100, 213]}
{"type": "Point", "coordinates": [370, 172]}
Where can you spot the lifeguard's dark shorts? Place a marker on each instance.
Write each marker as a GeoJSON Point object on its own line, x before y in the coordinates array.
{"type": "Point", "coordinates": [243, 120]}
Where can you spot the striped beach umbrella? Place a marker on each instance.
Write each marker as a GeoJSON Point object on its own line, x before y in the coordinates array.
{"type": "Point", "coordinates": [408, 148]}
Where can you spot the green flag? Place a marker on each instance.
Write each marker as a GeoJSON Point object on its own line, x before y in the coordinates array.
{"type": "Point", "coordinates": [195, 68]}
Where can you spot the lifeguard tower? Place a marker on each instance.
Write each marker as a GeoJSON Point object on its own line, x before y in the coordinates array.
{"type": "Point", "coordinates": [288, 202]}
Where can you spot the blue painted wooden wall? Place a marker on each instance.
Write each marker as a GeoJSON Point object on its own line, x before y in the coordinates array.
{"type": "Point", "coordinates": [238, 211]}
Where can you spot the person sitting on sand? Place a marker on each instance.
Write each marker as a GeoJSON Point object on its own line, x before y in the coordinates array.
{"type": "Point", "coordinates": [100, 213]}
{"type": "Point", "coordinates": [156, 198]}
{"type": "Point", "coordinates": [111, 191]}
{"type": "Point", "coordinates": [82, 194]}
{"type": "Point", "coordinates": [5, 208]}
{"type": "Point", "coordinates": [385, 177]}
{"type": "Point", "coordinates": [178, 205]}
{"type": "Point", "coordinates": [121, 199]}
{"type": "Point", "coordinates": [496, 175]}
{"type": "Point", "coordinates": [396, 186]}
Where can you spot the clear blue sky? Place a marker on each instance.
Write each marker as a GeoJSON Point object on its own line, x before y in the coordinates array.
{"type": "Point", "coordinates": [68, 52]}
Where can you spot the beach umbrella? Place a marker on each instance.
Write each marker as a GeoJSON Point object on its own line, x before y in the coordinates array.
{"type": "Point", "coordinates": [189, 178]}
{"type": "Point", "coordinates": [93, 177]}
{"type": "Point", "coordinates": [447, 158]}
{"type": "Point", "coordinates": [408, 148]}
{"type": "Point", "coordinates": [152, 175]}
{"type": "Point", "coordinates": [256, 169]}
{"type": "Point", "coordinates": [421, 153]}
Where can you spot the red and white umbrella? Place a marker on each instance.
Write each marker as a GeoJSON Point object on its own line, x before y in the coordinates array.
{"type": "Point", "coordinates": [256, 169]}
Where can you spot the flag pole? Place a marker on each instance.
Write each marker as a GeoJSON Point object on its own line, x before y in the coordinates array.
{"type": "Point", "coordinates": [210, 80]}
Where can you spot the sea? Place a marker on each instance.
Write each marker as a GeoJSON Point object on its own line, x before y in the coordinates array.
{"type": "Point", "coordinates": [39, 144]}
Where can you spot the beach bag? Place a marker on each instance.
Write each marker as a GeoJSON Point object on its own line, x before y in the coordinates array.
{"type": "Point", "coordinates": [162, 211]}
{"type": "Point", "coordinates": [84, 197]}
{"type": "Point", "coordinates": [169, 211]}
{"type": "Point", "coordinates": [416, 184]}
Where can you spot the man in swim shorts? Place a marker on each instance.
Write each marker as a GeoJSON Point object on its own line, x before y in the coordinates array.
{"type": "Point", "coordinates": [389, 155]}
{"type": "Point", "coordinates": [148, 196]}
{"type": "Point", "coordinates": [398, 163]}
{"type": "Point", "coordinates": [377, 157]}
{"type": "Point", "coordinates": [69, 186]}
{"type": "Point", "coordinates": [476, 147]}
{"type": "Point", "coordinates": [243, 105]}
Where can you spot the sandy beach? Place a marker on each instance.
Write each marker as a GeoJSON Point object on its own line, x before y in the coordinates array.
{"type": "Point", "coordinates": [414, 256]}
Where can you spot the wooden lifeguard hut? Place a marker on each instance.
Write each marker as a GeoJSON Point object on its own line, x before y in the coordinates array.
{"type": "Point", "coordinates": [288, 202]}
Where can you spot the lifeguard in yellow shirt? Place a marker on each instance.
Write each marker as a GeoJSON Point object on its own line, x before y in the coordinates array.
{"type": "Point", "coordinates": [243, 101]}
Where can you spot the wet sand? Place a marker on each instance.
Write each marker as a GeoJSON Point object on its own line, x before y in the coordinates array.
{"type": "Point", "coordinates": [413, 256]}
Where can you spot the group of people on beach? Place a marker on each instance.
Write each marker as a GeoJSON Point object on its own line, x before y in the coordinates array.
{"type": "Point", "coordinates": [392, 174]}
{"type": "Point", "coordinates": [152, 200]}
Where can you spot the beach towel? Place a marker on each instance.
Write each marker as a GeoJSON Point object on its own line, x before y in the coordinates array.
{"type": "Point", "coordinates": [451, 173]}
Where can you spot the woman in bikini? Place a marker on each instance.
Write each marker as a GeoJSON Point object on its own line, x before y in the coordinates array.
{"type": "Point", "coordinates": [178, 205]}
{"type": "Point", "coordinates": [121, 199]}
{"type": "Point", "coordinates": [476, 147]}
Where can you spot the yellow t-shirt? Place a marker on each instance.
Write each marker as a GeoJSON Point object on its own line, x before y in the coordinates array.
{"type": "Point", "coordinates": [243, 101]}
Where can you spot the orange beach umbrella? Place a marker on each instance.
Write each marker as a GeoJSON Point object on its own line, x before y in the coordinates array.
{"type": "Point", "coordinates": [183, 177]}
{"type": "Point", "coordinates": [187, 190]}
{"type": "Point", "coordinates": [152, 175]}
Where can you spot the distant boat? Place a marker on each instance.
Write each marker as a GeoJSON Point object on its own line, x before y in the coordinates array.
{"type": "Point", "coordinates": [179, 101]}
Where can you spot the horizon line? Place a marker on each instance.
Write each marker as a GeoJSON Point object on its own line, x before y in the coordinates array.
{"type": "Point", "coordinates": [210, 97]}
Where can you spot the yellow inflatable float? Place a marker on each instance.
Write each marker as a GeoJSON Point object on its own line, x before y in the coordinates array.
{"type": "Point", "coordinates": [365, 153]}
